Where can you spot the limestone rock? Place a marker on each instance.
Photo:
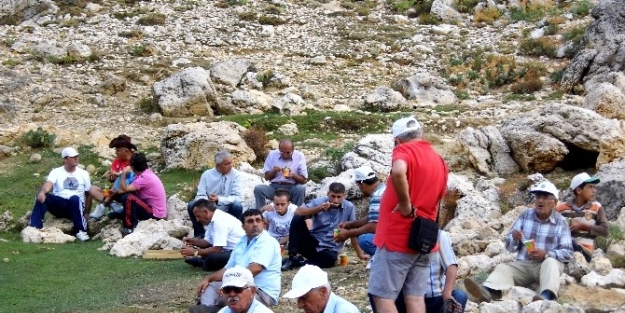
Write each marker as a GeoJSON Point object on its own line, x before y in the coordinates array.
{"type": "Point", "coordinates": [426, 89]}
{"type": "Point", "coordinates": [64, 224]}
{"type": "Point", "coordinates": [22, 9]}
{"type": "Point", "coordinates": [601, 265]}
{"type": "Point", "coordinates": [250, 101]}
{"type": "Point", "coordinates": [505, 306]}
{"type": "Point", "coordinates": [188, 92]}
{"type": "Point", "coordinates": [374, 150]}
{"type": "Point", "coordinates": [151, 235]}
{"type": "Point", "coordinates": [194, 145]}
{"type": "Point", "coordinates": [520, 294]}
{"type": "Point", "coordinates": [176, 209]}
{"type": "Point", "coordinates": [384, 99]}
{"type": "Point", "coordinates": [291, 103]}
{"type": "Point", "coordinates": [45, 235]}
{"type": "Point", "coordinates": [550, 307]}
{"type": "Point", "coordinates": [6, 221]}
{"type": "Point", "coordinates": [112, 85]}
{"type": "Point", "coordinates": [488, 151]}
{"type": "Point", "coordinates": [616, 278]}
{"type": "Point", "coordinates": [495, 248]}
{"type": "Point", "coordinates": [78, 50]}
{"type": "Point", "coordinates": [109, 235]}
{"type": "Point", "coordinates": [289, 129]}
{"type": "Point", "coordinates": [611, 190]}
{"type": "Point", "coordinates": [230, 72]}
{"type": "Point", "coordinates": [616, 250]}
{"type": "Point", "coordinates": [607, 100]}
{"type": "Point", "coordinates": [602, 51]}
{"type": "Point", "coordinates": [444, 10]}
{"type": "Point", "coordinates": [35, 158]}
{"type": "Point", "coordinates": [578, 267]}
{"type": "Point", "coordinates": [50, 48]}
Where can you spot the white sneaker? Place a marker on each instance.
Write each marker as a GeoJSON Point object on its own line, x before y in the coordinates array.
{"type": "Point", "coordinates": [116, 207]}
{"type": "Point", "coordinates": [82, 236]}
{"type": "Point", "coordinates": [98, 213]}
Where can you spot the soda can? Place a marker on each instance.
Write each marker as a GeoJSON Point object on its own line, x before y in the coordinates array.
{"type": "Point", "coordinates": [343, 259]}
{"type": "Point", "coordinates": [336, 233]}
{"type": "Point", "coordinates": [530, 245]}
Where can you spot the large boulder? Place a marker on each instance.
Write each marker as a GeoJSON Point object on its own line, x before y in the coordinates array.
{"type": "Point", "coordinates": [444, 9]}
{"type": "Point", "coordinates": [542, 138]}
{"type": "Point", "coordinates": [488, 151]}
{"type": "Point", "coordinates": [17, 10]}
{"type": "Point", "coordinates": [611, 189]}
{"type": "Point", "coordinates": [45, 235]}
{"type": "Point", "coordinates": [426, 89]}
{"type": "Point", "coordinates": [193, 145]}
{"type": "Point", "coordinates": [374, 150]}
{"type": "Point", "coordinates": [230, 72]}
{"type": "Point", "coordinates": [603, 47]}
{"type": "Point", "coordinates": [250, 101]}
{"type": "Point", "coordinates": [188, 92]}
{"type": "Point", "coordinates": [152, 235]}
{"type": "Point", "coordinates": [384, 99]}
{"type": "Point", "coordinates": [607, 100]}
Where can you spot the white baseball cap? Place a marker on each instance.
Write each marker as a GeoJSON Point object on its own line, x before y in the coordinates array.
{"type": "Point", "coordinates": [404, 125]}
{"type": "Point", "coordinates": [69, 152]}
{"type": "Point", "coordinates": [363, 173]}
{"type": "Point", "coordinates": [307, 278]}
{"type": "Point", "coordinates": [583, 178]}
{"type": "Point", "coordinates": [547, 187]}
{"type": "Point", "coordinates": [237, 276]}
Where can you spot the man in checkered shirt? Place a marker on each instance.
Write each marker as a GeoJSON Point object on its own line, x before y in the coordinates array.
{"type": "Point", "coordinates": [540, 261]}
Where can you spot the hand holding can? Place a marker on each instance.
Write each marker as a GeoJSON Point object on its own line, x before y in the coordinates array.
{"type": "Point", "coordinates": [530, 244]}
{"type": "Point", "coordinates": [286, 172]}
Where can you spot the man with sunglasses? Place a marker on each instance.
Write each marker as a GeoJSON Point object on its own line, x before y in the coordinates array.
{"type": "Point", "coordinates": [285, 168]}
{"type": "Point", "coordinates": [239, 290]}
{"type": "Point", "coordinates": [258, 252]}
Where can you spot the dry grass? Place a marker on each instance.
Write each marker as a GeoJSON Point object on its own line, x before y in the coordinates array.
{"type": "Point", "coordinates": [257, 140]}
{"type": "Point", "coordinates": [488, 15]}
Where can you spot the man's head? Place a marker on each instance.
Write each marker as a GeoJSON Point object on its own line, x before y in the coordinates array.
{"type": "Point", "coordinates": [223, 162]}
{"type": "Point", "coordinates": [336, 194]}
{"type": "Point", "coordinates": [124, 149]}
{"type": "Point", "coordinates": [311, 288]}
{"type": "Point", "coordinates": [204, 211]}
{"type": "Point", "coordinates": [546, 195]}
{"type": "Point", "coordinates": [238, 288]}
{"type": "Point", "coordinates": [253, 223]}
{"type": "Point", "coordinates": [286, 148]}
{"type": "Point", "coordinates": [70, 158]}
{"type": "Point", "coordinates": [138, 162]}
{"type": "Point", "coordinates": [366, 179]}
{"type": "Point", "coordinates": [406, 129]}
{"type": "Point", "coordinates": [583, 186]}
{"type": "Point", "coordinates": [281, 200]}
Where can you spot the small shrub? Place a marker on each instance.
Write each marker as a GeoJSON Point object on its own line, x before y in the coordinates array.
{"type": "Point", "coordinates": [65, 60]}
{"type": "Point", "coordinates": [420, 6]}
{"type": "Point", "coordinates": [149, 106]}
{"type": "Point", "coordinates": [135, 34]}
{"type": "Point", "coordinates": [461, 94]}
{"type": "Point", "coordinates": [140, 50]}
{"type": "Point", "coordinates": [551, 29]}
{"type": "Point", "coordinates": [152, 19]}
{"type": "Point", "coordinates": [530, 11]}
{"type": "Point", "coordinates": [265, 77]}
{"type": "Point", "coordinates": [488, 15]}
{"type": "Point", "coordinates": [317, 174]}
{"type": "Point", "coordinates": [94, 57]}
{"type": "Point", "coordinates": [428, 19]}
{"type": "Point", "coordinates": [71, 23]}
{"type": "Point", "coordinates": [542, 46]}
{"type": "Point", "coordinates": [230, 3]}
{"type": "Point", "coordinates": [273, 9]}
{"type": "Point", "coordinates": [582, 8]}
{"type": "Point", "coordinates": [10, 62]}
{"type": "Point", "coordinates": [527, 86]}
{"type": "Point", "coordinates": [575, 34]}
{"type": "Point", "coordinates": [556, 77]}
{"type": "Point", "coordinates": [617, 261]}
{"type": "Point", "coordinates": [39, 138]}
{"type": "Point", "coordinates": [122, 15]}
{"type": "Point", "coordinates": [270, 20]}
{"type": "Point", "coordinates": [556, 20]}
{"type": "Point", "coordinates": [615, 234]}
{"type": "Point", "coordinates": [336, 154]}
{"type": "Point", "coordinates": [257, 140]}
{"type": "Point", "coordinates": [247, 16]}
{"type": "Point", "coordinates": [466, 6]}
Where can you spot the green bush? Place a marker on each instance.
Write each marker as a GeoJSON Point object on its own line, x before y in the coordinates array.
{"type": "Point", "coordinates": [265, 77]}
{"type": "Point", "coordinates": [149, 106]}
{"type": "Point", "coordinates": [488, 15]}
{"type": "Point", "coordinates": [575, 34]}
{"type": "Point", "coordinates": [317, 174]}
{"type": "Point", "coordinates": [615, 234]}
{"type": "Point", "coordinates": [428, 19]}
{"type": "Point", "coordinates": [270, 20]}
{"type": "Point", "coordinates": [542, 46]}
{"type": "Point", "coordinates": [466, 6]}
{"type": "Point", "coordinates": [582, 8]}
{"type": "Point", "coordinates": [68, 59]}
{"type": "Point", "coordinates": [527, 86]}
{"type": "Point", "coordinates": [38, 138]}
{"type": "Point", "coordinates": [420, 6]}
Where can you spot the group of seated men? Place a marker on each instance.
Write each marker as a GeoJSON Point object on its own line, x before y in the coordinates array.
{"type": "Point", "coordinates": [245, 249]}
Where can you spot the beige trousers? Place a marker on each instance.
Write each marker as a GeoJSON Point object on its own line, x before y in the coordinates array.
{"type": "Point", "coordinates": [524, 273]}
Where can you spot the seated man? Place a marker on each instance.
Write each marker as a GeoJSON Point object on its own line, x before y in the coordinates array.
{"type": "Point", "coordinates": [318, 244]}
{"type": "Point", "coordinates": [239, 292]}
{"type": "Point", "coordinates": [278, 216]}
{"type": "Point", "coordinates": [257, 251]}
{"type": "Point", "coordinates": [220, 185]}
{"type": "Point", "coordinates": [543, 243]}
{"type": "Point", "coordinates": [364, 228]}
{"type": "Point", "coordinates": [314, 295]}
{"type": "Point", "coordinates": [69, 185]}
{"type": "Point", "coordinates": [124, 150]}
{"type": "Point", "coordinates": [223, 234]}
{"type": "Point", "coordinates": [285, 168]}
{"type": "Point", "coordinates": [144, 198]}
{"type": "Point", "coordinates": [586, 217]}
{"type": "Point", "coordinates": [439, 291]}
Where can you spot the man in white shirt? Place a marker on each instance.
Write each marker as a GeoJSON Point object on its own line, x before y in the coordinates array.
{"type": "Point", "coordinates": [220, 185]}
{"type": "Point", "coordinates": [278, 216]}
{"type": "Point", "coordinates": [223, 233]}
{"type": "Point", "coordinates": [69, 185]}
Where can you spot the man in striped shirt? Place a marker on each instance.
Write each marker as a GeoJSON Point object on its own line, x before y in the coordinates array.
{"type": "Point", "coordinates": [542, 240]}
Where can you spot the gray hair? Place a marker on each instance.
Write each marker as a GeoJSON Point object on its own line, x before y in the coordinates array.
{"type": "Point", "coordinates": [413, 134]}
{"type": "Point", "coordinates": [220, 156]}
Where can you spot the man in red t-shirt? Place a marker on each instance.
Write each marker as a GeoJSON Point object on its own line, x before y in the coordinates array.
{"type": "Point", "coordinates": [418, 180]}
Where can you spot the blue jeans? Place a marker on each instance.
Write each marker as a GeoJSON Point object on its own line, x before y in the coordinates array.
{"type": "Point", "coordinates": [432, 305]}
{"type": "Point", "coordinates": [365, 241]}
{"type": "Point", "coordinates": [71, 208]}
{"type": "Point", "coordinates": [235, 209]}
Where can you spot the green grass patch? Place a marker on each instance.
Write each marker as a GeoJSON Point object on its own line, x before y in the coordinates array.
{"type": "Point", "coordinates": [581, 8]}
{"type": "Point", "coordinates": [615, 234]}
{"type": "Point", "coordinates": [543, 46]}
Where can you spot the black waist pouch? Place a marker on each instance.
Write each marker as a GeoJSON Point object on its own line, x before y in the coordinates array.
{"type": "Point", "coordinates": [423, 235]}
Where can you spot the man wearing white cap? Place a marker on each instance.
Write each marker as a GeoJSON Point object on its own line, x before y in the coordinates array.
{"type": "Point", "coordinates": [239, 290]}
{"type": "Point", "coordinates": [69, 185]}
{"type": "Point", "coordinates": [542, 240]}
{"type": "Point", "coordinates": [417, 183]}
{"type": "Point", "coordinates": [364, 228]}
{"type": "Point", "coordinates": [314, 295]}
{"type": "Point", "coordinates": [586, 217]}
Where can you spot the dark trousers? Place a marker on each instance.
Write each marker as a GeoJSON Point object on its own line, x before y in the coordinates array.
{"type": "Point", "coordinates": [577, 248]}
{"type": "Point", "coordinates": [302, 242]}
{"type": "Point", "coordinates": [432, 305]}
{"type": "Point", "coordinates": [216, 261]}
{"type": "Point", "coordinates": [70, 208]}
{"type": "Point", "coordinates": [135, 210]}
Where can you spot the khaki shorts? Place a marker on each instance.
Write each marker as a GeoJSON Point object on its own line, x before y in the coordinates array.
{"type": "Point", "coordinates": [393, 271]}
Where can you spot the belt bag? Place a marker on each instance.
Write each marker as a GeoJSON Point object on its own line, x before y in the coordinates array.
{"type": "Point", "coordinates": [423, 235]}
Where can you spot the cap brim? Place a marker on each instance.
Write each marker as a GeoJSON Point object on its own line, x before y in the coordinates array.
{"type": "Point", "coordinates": [239, 284]}
{"type": "Point", "coordinates": [592, 180]}
{"type": "Point", "coordinates": [296, 292]}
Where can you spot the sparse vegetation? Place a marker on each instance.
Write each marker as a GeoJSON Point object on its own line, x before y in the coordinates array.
{"type": "Point", "coordinates": [488, 15]}
{"type": "Point", "coordinates": [247, 16]}
{"type": "Point", "coordinates": [270, 20]}
{"type": "Point", "coordinates": [265, 77]}
{"type": "Point", "coordinates": [148, 105]}
{"type": "Point", "coordinates": [317, 174]}
{"type": "Point", "coordinates": [257, 140]}
{"type": "Point", "coordinates": [11, 62]}
{"type": "Point", "coordinates": [140, 50]}
{"type": "Point", "coordinates": [134, 34]}
{"type": "Point", "coordinates": [527, 86]}
{"type": "Point", "coordinates": [64, 60]}
{"type": "Point", "coordinates": [230, 3]}
{"type": "Point", "coordinates": [122, 15]}
{"type": "Point", "coordinates": [428, 19]}
{"type": "Point", "coordinates": [543, 46]}
{"type": "Point", "coordinates": [531, 11]}
{"type": "Point", "coordinates": [615, 234]}
{"type": "Point", "coordinates": [38, 138]}
{"type": "Point", "coordinates": [152, 19]}
{"type": "Point", "coordinates": [581, 8]}
{"type": "Point", "coordinates": [466, 6]}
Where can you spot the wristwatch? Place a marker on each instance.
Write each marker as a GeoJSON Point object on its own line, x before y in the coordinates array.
{"type": "Point", "coordinates": [196, 253]}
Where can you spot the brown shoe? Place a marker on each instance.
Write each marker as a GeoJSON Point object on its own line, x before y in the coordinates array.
{"type": "Point", "coordinates": [478, 291]}
{"type": "Point", "coordinates": [537, 298]}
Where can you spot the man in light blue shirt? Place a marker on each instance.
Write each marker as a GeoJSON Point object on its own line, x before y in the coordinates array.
{"type": "Point", "coordinates": [257, 251]}
{"type": "Point", "coordinates": [312, 290]}
{"type": "Point", "coordinates": [319, 245]}
{"type": "Point", "coordinates": [221, 185]}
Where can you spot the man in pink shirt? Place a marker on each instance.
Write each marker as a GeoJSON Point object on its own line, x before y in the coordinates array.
{"type": "Point", "coordinates": [144, 198]}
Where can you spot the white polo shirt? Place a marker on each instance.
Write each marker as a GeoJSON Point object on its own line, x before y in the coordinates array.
{"type": "Point", "coordinates": [224, 230]}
